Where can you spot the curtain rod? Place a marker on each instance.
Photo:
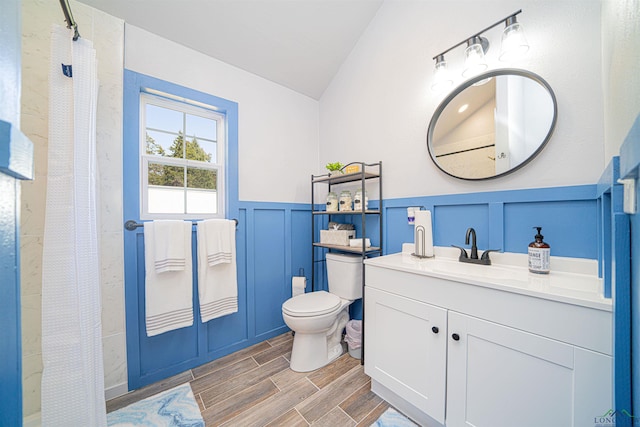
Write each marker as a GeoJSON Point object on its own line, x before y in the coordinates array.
{"type": "Point", "coordinates": [68, 16]}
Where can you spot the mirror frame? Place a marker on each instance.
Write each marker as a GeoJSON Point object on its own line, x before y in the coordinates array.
{"type": "Point", "coordinates": [471, 82]}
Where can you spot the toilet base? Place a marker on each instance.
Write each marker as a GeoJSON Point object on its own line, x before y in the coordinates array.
{"type": "Point", "coordinates": [313, 351]}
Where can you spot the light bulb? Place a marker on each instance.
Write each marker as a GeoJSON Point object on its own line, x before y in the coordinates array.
{"type": "Point", "coordinates": [474, 62]}
{"type": "Point", "coordinates": [514, 43]}
{"type": "Point", "coordinates": [441, 77]}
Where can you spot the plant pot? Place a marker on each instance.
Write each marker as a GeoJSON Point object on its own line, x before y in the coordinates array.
{"type": "Point", "coordinates": [336, 173]}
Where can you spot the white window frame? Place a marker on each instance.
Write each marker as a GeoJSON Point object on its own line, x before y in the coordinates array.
{"type": "Point", "coordinates": [189, 107]}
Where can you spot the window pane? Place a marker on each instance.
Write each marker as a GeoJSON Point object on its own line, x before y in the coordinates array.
{"type": "Point", "coordinates": [195, 150]}
{"type": "Point", "coordinates": [165, 192]}
{"type": "Point", "coordinates": [163, 118]}
{"type": "Point", "coordinates": [210, 149]}
{"type": "Point", "coordinates": [201, 128]}
{"type": "Point", "coordinates": [202, 201]}
{"type": "Point", "coordinates": [160, 143]}
{"type": "Point", "coordinates": [202, 178]}
{"type": "Point", "coordinates": [167, 176]}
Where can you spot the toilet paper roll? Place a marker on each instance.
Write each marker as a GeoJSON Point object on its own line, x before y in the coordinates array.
{"type": "Point", "coordinates": [423, 234]}
{"type": "Point", "coordinates": [298, 285]}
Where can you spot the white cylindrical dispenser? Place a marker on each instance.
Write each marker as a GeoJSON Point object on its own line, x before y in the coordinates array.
{"type": "Point", "coordinates": [423, 237]}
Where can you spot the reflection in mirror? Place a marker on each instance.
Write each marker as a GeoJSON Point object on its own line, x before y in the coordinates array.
{"type": "Point", "coordinates": [492, 125]}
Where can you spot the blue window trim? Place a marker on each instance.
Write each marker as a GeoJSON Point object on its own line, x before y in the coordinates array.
{"type": "Point", "coordinates": [134, 85]}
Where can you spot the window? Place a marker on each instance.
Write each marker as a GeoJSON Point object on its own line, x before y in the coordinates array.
{"type": "Point", "coordinates": [181, 159]}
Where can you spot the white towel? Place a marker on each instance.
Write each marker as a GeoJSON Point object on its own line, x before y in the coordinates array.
{"type": "Point", "coordinates": [169, 248]}
{"type": "Point", "coordinates": [217, 241]}
{"type": "Point", "coordinates": [217, 284]}
{"type": "Point", "coordinates": [168, 295]}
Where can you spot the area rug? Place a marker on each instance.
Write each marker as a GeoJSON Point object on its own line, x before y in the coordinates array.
{"type": "Point", "coordinates": [172, 408]}
{"type": "Point", "coordinates": [393, 418]}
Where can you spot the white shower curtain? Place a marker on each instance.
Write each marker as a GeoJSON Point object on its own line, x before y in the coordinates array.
{"type": "Point", "coordinates": [72, 377]}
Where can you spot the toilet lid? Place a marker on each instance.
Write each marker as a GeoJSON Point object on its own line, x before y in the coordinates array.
{"type": "Point", "coordinates": [311, 304]}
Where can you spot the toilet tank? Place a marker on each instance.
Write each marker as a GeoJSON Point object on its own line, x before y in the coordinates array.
{"type": "Point", "coordinates": [344, 275]}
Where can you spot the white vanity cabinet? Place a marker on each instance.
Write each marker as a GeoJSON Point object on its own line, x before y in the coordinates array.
{"type": "Point", "coordinates": [446, 352]}
{"type": "Point", "coordinates": [406, 349]}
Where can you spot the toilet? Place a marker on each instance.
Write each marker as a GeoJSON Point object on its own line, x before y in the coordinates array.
{"type": "Point", "coordinates": [318, 318]}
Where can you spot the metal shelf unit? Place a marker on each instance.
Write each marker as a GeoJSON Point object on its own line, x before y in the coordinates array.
{"type": "Point", "coordinates": [368, 171]}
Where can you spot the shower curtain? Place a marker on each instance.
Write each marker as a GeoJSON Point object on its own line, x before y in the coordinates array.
{"type": "Point", "coordinates": [72, 377]}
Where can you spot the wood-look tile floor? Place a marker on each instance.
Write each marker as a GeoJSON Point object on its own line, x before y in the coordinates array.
{"type": "Point", "coordinates": [255, 387]}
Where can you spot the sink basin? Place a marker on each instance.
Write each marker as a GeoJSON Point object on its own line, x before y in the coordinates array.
{"type": "Point", "coordinates": [484, 272]}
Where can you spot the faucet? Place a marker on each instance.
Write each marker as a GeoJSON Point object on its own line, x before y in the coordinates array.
{"type": "Point", "coordinates": [464, 257]}
{"type": "Point", "coordinates": [474, 249]}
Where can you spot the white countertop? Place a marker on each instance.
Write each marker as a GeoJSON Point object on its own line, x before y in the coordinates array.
{"type": "Point", "coordinates": [574, 281]}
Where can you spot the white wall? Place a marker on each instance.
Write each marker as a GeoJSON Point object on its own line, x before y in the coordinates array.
{"type": "Point", "coordinates": [278, 128]}
{"type": "Point", "coordinates": [107, 34]}
{"type": "Point", "coordinates": [379, 105]}
{"type": "Point", "coordinates": [620, 67]}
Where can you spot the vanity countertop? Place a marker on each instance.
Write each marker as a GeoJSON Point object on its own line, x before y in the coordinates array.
{"type": "Point", "coordinates": [575, 283]}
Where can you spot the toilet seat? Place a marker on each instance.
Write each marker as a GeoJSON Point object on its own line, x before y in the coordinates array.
{"type": "Point", "coordinates": [311, 304]}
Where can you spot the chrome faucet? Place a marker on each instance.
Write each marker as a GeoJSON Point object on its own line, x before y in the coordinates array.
{"type": "Point", "coordinates": [464, 257]}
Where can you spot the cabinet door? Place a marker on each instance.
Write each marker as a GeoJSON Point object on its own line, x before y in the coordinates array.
{"type": "Point", "coordinates": [404, 351]}
{"type": "Point", "coordinates": [499, 376]}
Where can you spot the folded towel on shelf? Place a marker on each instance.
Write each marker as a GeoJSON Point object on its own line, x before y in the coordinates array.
{"type": "Point", "coordinates": [169, 250]}
{"type": "Point", "coordinates": [217, 281]}
{"type": "Point", "coordinates": [168, 295]}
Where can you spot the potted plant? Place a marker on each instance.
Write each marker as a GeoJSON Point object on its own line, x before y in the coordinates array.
{"type": "Point", "coordinates": [335, 168]}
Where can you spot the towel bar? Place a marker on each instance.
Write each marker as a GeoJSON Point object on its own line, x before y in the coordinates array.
{"type": "Point", "coordinates": [132, 224]}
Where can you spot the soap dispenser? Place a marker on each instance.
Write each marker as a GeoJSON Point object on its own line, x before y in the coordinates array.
{"type": "Point", "coordinates": [539, 254]}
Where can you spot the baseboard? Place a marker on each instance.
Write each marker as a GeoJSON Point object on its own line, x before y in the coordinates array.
{"type": "Point", "coordinates": [116, 391]}
{"type": "Point", "coordinates": [33, 420]}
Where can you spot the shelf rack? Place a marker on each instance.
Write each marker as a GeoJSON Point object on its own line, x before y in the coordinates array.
{"type": "Point", "coordinates": [368, 171]}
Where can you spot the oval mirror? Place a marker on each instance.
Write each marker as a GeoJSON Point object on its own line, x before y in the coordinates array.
{"type": "Point", "coordinates": [492, 124]}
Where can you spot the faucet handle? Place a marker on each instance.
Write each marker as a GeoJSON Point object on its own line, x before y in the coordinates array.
{"type": "Point", "coordinates": [485, 254]}
{"type": "Point", "coordinates": [463, 252]}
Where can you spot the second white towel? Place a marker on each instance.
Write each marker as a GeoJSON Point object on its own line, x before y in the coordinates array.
{"type": "Point", "coordinates": [168, 295]}
{"type": "Point", "coordinates": [217, 282]}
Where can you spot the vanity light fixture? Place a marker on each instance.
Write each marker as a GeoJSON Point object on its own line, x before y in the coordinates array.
{"type": "Point", "coordinates": [514, 44]}
{"type": "Point", "coordinates": [474, 62]}
{"type": "Point", "coordinates": [441, 76]}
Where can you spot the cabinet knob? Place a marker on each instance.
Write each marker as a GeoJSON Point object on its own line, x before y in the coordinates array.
{"type": "Point", "coordinates": [455, 337]}
{"type": "Point", "coordinates": [435, 329]}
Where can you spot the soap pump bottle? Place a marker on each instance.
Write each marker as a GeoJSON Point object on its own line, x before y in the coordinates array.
{"type": "Point", "coordinates": [539, 254]}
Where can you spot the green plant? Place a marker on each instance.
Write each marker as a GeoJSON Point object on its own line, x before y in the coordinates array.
{"type": "Point", "coordinates": [336, 166]}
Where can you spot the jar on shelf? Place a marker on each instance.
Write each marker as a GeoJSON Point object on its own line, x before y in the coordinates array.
{"type": "Point", "coordinates": [345, 201]}
{"type": "Point", "coordinates": [332, 202]}
{"type": "Point", "coordinates": [359, 201]}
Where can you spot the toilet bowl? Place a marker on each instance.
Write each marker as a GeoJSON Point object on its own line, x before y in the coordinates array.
{"type": "Point", "coordinates": [318, 318]}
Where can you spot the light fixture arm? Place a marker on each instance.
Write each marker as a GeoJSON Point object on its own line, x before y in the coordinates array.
{"type": "Point", "coordinates": [508, 18]}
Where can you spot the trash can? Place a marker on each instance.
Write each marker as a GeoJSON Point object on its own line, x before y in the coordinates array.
{"type": "Point", "coordinates": [353, 338]}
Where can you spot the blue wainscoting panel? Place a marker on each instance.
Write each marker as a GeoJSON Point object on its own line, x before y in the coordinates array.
{"type": "Point", "coordinates": [171, 350]}
{"type": "Point", "coordinates": [269, 275]}
{"type": "Point", "coordinates": [226, 333]}
{"type": "Point", "coordinates": [569, 227]}
{"type": "Point", "coordinates": [503, 219]}
{"type": "Point", "coordinates": [301, 248]}
{"type": "Point", "coordinates": [398, 230]}
{"type": "Point", "coordinates": [450, 224]}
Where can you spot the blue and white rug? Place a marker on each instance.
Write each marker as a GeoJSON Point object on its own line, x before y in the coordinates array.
{"type": "Point", "coordinates": [172, 408]}
{"type": "Point", "coordinates": [393, 418]}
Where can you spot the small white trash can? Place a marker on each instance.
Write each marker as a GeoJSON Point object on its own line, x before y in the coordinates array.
{"type": "Point", "coordinates": [353, 338]}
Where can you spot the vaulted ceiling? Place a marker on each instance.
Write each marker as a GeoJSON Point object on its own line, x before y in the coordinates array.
{"type": "Point", "coordinates": [299, 44]}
